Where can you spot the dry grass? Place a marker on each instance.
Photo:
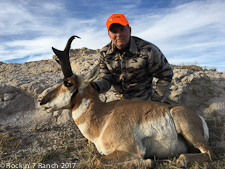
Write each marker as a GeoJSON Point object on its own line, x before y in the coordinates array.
{"type": "Point", "coordinates": [193, 67]}
{"type": "Point", "coordinates": [77, 150]}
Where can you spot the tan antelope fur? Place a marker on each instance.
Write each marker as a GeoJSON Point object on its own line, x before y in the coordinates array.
{"type": "Point", "coordinates": [128, 132]}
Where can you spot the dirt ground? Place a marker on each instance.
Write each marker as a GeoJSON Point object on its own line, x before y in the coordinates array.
{"type": "Point", "coordinates": [63, 146]}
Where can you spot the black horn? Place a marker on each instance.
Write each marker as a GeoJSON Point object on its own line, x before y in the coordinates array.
{"type": "Point", "coordinates": [64, 57]}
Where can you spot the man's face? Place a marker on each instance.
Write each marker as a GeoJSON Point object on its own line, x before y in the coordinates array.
{"type": "Point", "coordinates": [120, 35]}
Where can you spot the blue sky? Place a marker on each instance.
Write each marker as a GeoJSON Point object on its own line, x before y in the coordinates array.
{"type": "Point", "coordinates": [187, 31]}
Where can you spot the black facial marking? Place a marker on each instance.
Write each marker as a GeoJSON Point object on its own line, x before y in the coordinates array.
{"type": "Point", "coordinates": [74, 94]}
{"type": "Point", "coordinates": [67, 84]}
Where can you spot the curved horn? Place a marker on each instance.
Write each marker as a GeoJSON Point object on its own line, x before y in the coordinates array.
{"type": "Point", "coordinates": [64, 57]}
{"type": "Point", "coordinates": [68, 45]}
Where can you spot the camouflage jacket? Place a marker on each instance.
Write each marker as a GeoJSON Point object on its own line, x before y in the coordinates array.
{"type": "Point", "coordinates": [131, 73]}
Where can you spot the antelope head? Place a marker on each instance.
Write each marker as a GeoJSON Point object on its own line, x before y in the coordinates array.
{"type": "Point", "coordinates": [61, 97]}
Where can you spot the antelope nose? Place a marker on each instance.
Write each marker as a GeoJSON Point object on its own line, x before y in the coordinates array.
{"type": "Point", "coordinates": [44, 101]}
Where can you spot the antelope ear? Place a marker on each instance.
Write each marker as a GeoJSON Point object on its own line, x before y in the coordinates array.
{"type": "Point", "coordinates": [57, 52]}
{"type": "Point", "coordinates": [92, 75]}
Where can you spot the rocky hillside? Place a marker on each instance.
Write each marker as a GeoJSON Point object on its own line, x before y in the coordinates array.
{"type": "Point", "coordinates": [22, 84]}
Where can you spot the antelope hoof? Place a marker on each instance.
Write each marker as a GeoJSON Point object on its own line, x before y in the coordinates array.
{"type": "Point", "coordinates": [181, 162]}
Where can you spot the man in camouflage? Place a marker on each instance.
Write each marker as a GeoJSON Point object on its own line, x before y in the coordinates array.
{"type": "Point", "coordinates": [130, 63]}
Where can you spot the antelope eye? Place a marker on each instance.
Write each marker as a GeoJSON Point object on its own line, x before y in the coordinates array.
{"type": "Point", "coordinates": [67, 84]}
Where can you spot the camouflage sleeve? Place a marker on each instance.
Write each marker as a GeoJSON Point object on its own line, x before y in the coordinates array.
{"type": "Point", "coordinates": [161, 69]}
{"type": "Point", "coordinates": [104, 81]}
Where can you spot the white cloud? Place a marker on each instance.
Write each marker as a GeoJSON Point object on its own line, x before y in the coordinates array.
{"type": "Point", "coordinates": [184, 19]}
{"type": "Point", "coordinates": [188, 32]}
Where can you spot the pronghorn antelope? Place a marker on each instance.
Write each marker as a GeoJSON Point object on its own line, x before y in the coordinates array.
{"type": "Point", "coordinates": [128, 132]}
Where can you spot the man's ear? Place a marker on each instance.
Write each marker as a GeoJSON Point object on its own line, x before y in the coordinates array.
{"type": "Point", "coordinates": [130, 30]}
{"type": "Point", "coordinates": [109, 33]}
